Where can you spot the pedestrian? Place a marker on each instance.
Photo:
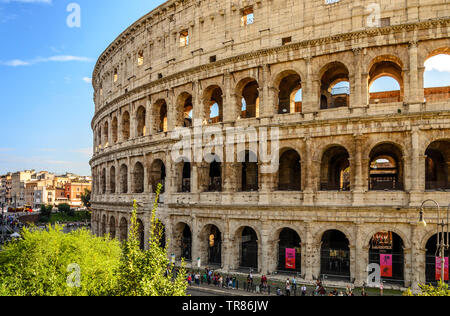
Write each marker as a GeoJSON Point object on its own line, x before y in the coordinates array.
{"type": "Point", "coordinates": [288, 288]}
{"type": "Point", "coordinates": [294, 284]}
{"type": "Point", "coordinates": [303, 290]}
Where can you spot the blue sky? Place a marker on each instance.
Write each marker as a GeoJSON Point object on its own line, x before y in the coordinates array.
{"type": "Point", "coordinates": [46, 97]}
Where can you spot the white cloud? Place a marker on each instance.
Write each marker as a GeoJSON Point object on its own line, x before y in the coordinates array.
{"type": "Point", "coordinates": [440, 63]}
{"type": "Point", "coordinates": [87, 79]}
{"type": "Point", "coordinates": [38, 60]}
{"type": "Point", "coordinates": [28, 1]}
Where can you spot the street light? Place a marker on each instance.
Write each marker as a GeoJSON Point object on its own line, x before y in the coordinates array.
{"type": "Point", "coordinates": [442, 230]}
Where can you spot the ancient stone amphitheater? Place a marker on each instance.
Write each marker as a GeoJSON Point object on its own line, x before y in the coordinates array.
{"type": "Point", "coordinates": [354, 165]}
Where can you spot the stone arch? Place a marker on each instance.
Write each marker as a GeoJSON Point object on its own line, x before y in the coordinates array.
{"type": "Point", "coordinates": [183, 172]}
{"type": "Point", "coordinates": [123, 229]}
{"type": "Point", "coordinates": [159, 116]}
{"type": "Point", "coordinates": [141, 233]}
{"type": "Point", "coordinates": [247, 91]}
{"type": "Point", "coordinates": [289, 170]}
{"type": "Point", "coordinates": [211, 243]}
{"type": "Point", "coordinates": [215, 168]}
{"type": "Point", "coordinates": [115, 128]}
{"type": "Point", "coordinates": [104, 222]}
{"type": "Point", "coordinates": [103, 180]}
{"type": "Point", "coordinates": [249, 247]}
{"type": "Point", "coordinates": [386, 66]}
{"type": "Point", "coordinates": [123, 178]}
{"type": "Point", "coordinates": [396, 253]}
{"type": "Point", "coordinates": [288, 238]}
{"type": "Point", "coordinates": [112, 179]}
{"type": "Point", "coordinates": [368, 237]}
{"type": "Point", "coordinates": [212, 103]}
{"type": "Point", "coordinates": [332, 74]}
{"type": "Point", "coordinates": [436, 92]}
{"type": "Point", "coordinates": [112, 227]}
{"type": "Point", "coordinates": [126, 125]}
{"type": "Point", "coordinates": [386, 167]}
{"type": "Point", "coordinates": [249, 171]}
{"type": "Point", "coordinates": [182, 238]}
{"type": "Point", "coordinates": [288, 84]}
{"type": "Point", "coordinates": [105, 141]}
{"type": "Point", "coordinates": [158, 174]}
{"type": "Point", "coordinates": [138, 178]}
{"type": "Point", "coordinates": [437, 165]}
{"type": "Point", "coordinates": [335, 254]}
{"type": "Point", "coordinates": [141, 127]}
{"type": "Point", "coordinates": [184, 106]}
{"type": "Point", "coordinates": [335, 169]}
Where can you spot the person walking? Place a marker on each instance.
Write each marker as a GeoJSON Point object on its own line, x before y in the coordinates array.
{"type": "Point", "coordinates": [288, 288]}
{"type": "Point", "coordinates": [303, 289]}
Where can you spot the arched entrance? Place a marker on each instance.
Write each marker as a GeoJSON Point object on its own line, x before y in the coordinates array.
{"type": "Point", "coordinates": [141, 234]}
{"type": "Point", "coordinates": [386, 249]}
{"type": "Point", "coordinates": [213, 240]}
{"type": "Point", "coordinates": [158, 175]}
{"type": "Point", "coordinates": [183, 236]}
{"type": "Point", "coordinates": [289, 174]}
{"type": "Point", "coordinates": [249, 172]}
{"type": "Point", "coordinates": [431, 275]}
{"type": "Point", "coordinates": [123, 229]}
{"type": "Point", "coordinates": [112, 227]}
{"type": "Point", "coordinates": [289, 251]}
{"type": "Point", "coordinates": [249, 249]}
{"type": "Point", "coordinates": [335, 256]}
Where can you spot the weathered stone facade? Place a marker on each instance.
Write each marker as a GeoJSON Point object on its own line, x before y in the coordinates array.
{"type": "Point", "coordinates": [146, 82]}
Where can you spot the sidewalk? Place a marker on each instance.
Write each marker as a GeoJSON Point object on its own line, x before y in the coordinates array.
{"type": "Point", "coordinates": [222, 291]}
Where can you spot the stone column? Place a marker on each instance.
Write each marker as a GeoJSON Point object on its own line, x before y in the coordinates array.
{"type": "Point", "coordinates": [417, 168]}
{"type": "Point", "coordinates": [228, 252]}
{"type": "Point", "coordinates": [308, 192]}
{"type": "Point", "coordinates": [171, 111]}
{"type": "Point", "coordinates": [129, 176]}
{"type": "Point", "coordinates": [148, 115]}
{"type": "Point", "coordinates": [308, 252]}
{"type": "Point", "coordinates": [310, 92]}
{"type": "Point", "coordinates": [264, 254]}
{"type": "Point", "coordinates": [196, 251]}
{"type": "Point", "coordinates": [417, 257]}
{"type": "Point", "coordinates": [229, 100]}
{"type": "Point", "coordinates": [359, 258]}
{"type": "Point", "coordinates": [413, 77]}
{"type": "Point", "coordinates": [356, 91]}
{"type": "Point", "coordinates": [358, 182]}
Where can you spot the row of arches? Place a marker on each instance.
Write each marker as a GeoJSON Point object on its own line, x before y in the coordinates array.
{"type": "Point", "coordinates": [334, 91]}
{"type": "Point", "coordinates": [386, 171]}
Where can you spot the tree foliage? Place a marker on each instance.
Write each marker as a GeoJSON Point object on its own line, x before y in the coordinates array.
{"type": "Point", "coordinates": [45, 213]}
{"type": "Point", "coordinates": [442, 289]}
{"type": "Point", "coordinates": [42, 264]}
{"type": "Point", "coordinates": [38, 264]}
{"type": "Point", "coordinates": [86, 198]}
{"type": "Point", "coordinates": [148, 272]}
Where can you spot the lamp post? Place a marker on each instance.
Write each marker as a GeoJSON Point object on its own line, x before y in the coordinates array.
{"type": "Point", "coordinates": [443, 241]}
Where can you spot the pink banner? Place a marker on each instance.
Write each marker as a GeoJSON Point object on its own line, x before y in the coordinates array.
{"type": "Point", "coordinates": [290, 258]}
{"type": "Point", "coordinates": [438, 268]}
{"type": "Point", "coordinates": [386, 266]}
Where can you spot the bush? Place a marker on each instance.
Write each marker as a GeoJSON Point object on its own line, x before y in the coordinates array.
{"type": "Point", "coordinates": [429, 290]}
{"type": "Point", "coordinates": [65, 208]}
{"type": "Point", "coordinates": [148, 273]}
{"type": "Point", "coordinates": [38, 264]}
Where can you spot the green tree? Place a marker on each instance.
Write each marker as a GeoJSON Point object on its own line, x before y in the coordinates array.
{"type": "Point", "coordinates": [429, 290]}
{"type": "Point", "coordinates": [86, 198]}
{"type": "Point", "coordinates": [46, 212]}
{"type": "Point", "coordinates": [65, 208]}
{"type": "Point", "coordinates": [38, 264]}
{"type": "Point", "coordinates": [149, 272]}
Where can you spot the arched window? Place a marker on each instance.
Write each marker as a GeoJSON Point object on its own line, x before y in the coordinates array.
{"type": "Point", "coordinates": [213, 105]}
{"type": "Point", "coordinates": [126, 125]}
{"type": "Point", "coordinates": [437, 166]}
{"type": "Point", "coordinates": [114, 130]}
{"type": "Point", "coordinates": [335, 170]}
{"type": "Point", "coordinates": [105, 135]}
{"type": "Point", "coordinates": [138, 178]}
{"type": "Point", "coordinates": [123, 179]}
{"type": "Point", "coordinates": [386, 80]}
{"type": "Point", "coordinates": [215, 175]}
{"type": "Point", "coordinates": [250, 98]}
{"type": "Point", "coordinates": [290, 94]}
{"type": "Point", "coordinates": [112, 179]}
{"type": "Point", "coordinates": [334, 86]}
{"type": "Point", "coordinates": [185, 110]}
{"type": "Point", "coordinates": [386, 168]}
{"type": "Point", "coordinates": [141, 125]}
{"type": "Point", "coordinates": [249, 170]}
{"type": "Point", "coordinates": [249, 249]}
{"type": "Point", "coordinates": [112, 227]}
{"type": "Point", "coordinates": [123, 229]}
{"type": "Point", "coordinates": [437, 76]}
{"type": "Point", "coordinates": [289, 174]}
{"type": "Point", "coordinates": [289, 251]}
{"type": "Point", "coordinates": [158, 175]}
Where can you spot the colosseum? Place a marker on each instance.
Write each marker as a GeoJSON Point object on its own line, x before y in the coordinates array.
{"type": "Point", "coordinates": [353, 166]}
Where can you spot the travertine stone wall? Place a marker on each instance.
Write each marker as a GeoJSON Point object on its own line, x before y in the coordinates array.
{"type": "Point", "coordinates": [137, 113]}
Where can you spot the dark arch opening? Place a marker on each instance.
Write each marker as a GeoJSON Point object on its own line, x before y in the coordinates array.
{"type": "Point", "coordinates": [437, 166]}
{"type": "Point", "coordinates": [335, 256]}
{"type": "Point", "coordinates": [289, 174]}
{"type": "Point", "coordinates": [290, 87]}
{"type": "Point", "coordinates": [433, 275]}
{"type": "Point", "coordinates": [391, 245]}
{"type": "Point", "coordinates": [386, 168]}
{"type": "Point", "coordinates": [335, 170]}
{"type": "Point", "coordinates": [249, 167]}
{"type": "Point", "coordinates": [289, 251]}
{"type": "Point", "coordinates": [249, 249]}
